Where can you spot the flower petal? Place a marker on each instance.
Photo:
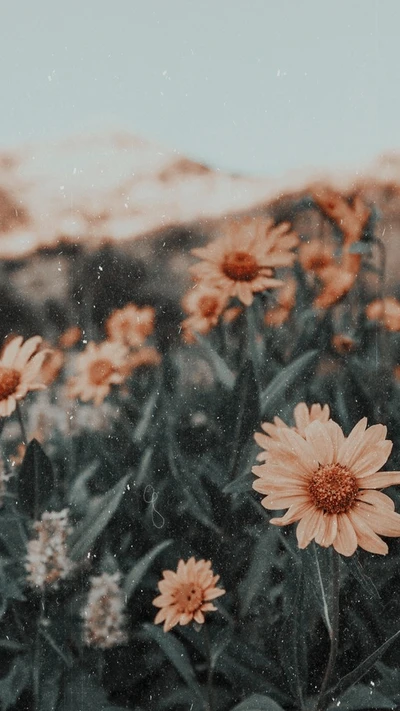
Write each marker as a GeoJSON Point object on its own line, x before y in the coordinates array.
{"type": "Point", "coordinates": [346, 539]}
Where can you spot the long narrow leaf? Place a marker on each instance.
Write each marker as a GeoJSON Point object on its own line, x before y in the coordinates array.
{"type": "Point", "coordinates": [136, 573]}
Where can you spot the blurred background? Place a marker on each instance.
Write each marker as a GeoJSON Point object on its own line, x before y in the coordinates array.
{"type": "Point", "coordinates": [249, 86]}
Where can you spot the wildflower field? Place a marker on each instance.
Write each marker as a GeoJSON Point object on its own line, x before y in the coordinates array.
{"type": "Point", "coordinates": [198, 522]}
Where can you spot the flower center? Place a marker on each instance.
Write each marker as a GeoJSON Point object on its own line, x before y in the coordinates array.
{"type": "Point", "coordinates": [189, 597]}
{"type": "Point", "coordinates": [208, 306]}
{"type": "Point", "coordinates": [333, 488]}
{"type": "Point", "coordinates": [240, 266]}
{"type": "Point", "coordinates": [9, 381]}
{"type": "Point", "coordinates": [100, 371]}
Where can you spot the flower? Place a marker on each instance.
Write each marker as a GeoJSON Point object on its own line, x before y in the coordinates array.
{"type": "Point", "coordinates": [146, 357]}
{"type": "Point", "coordinates": [205, 304]}
{"type": "Point", "coordinates": [302, 417]}
{"type": "Point", "coordinates": [103, 614]}
{"type": "Point", "coordinates": [186, 594]}
{"type": "Point", "coordinates": [47, 561]}
{"type": "Point", "coordinates": [286, 300]}
{"type": "Point", "coordinates": [51, 366]}
{"type": "Point", "coordinates": [315, 255]}
{"type": "Point", "coordinates": [70, 337]}
{"type": "Point", "coordinates": [242, 261]}
{"type": "Point", "coordinates": [19, 371]}
{"type": "Point", "coordinates": [100, 367]}
{"type": "Point", "coordinates": [327, 482]}
{"type": "Point", "coordinates": [337, 281]}
{"type": "Point", "coordinates": [387, 311]}
{"type": "Point", "coordinates": [343, 343]}
{"type": "Point", "coordinates": [130, 325]}
{"type": "Point", "coordinates": [351, 218]}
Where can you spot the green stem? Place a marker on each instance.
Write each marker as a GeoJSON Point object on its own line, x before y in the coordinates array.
{"type": "Point", "coordinates": [210, 697]}
{"type": "Point", "coordinates": [322, 703]}
{"type": "Point", "coordinates": [22, 426]}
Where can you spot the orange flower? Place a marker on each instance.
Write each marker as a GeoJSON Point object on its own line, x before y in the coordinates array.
{"type": "Point", "coordinates": [70, 337]}
{"type": "Point", "coordinates": [242, 261]}
{"type": "Point", "coordinates": [303, 416]}
{"type": "Point", "coordinates": [99, 366]}
{"type": "Point", "coordinates": [144, 357]}
{"type": "Point", "coordinates": [19, 372]}
{"type": "Point", "coordinates": [337, 282]}
{"type": "Point", "coordinates": [130, 325]}
{"type": "Point", "coordinates": [186, 594]}
{"type": "Point", "coordinates": [387, 311]}
{"type": "Point", "coordinates": [350, 218]}
{"type": "Point", "coordinates": [285, 301]}
{"type": "Point", "coordinates": [315, 255]}
{"type": "Point", "coordinates": [327, 482]}
{"type": "Point", "coordinates": [205, 304]}
{"type": "Point", "coordinates": [343, 343]}
{"type": "Point", "coordinates": [51, 367]}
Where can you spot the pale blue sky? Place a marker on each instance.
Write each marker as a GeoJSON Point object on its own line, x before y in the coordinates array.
{"type": "Point", "coordinates": [261, 86]}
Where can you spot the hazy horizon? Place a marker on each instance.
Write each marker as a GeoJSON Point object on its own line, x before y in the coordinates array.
{"type": "Point", "coordinates": [253, 87]}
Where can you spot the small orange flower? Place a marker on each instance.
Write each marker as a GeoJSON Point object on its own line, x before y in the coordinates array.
{"type": "Point", "coordinates": [337, 282]}
{"type": "Point", "coordinates": [205, 304]}
{"type": "Point", "coordinates": [315, 256]}
{"type": "Point", "coordinates": [186, 594]}
{"type": "Point", "coordinates": [130, 325]}
{"type": "Point", "coordinates": [328, 483]}
{"type": "Point", "coordinates": [70, 337]}
{"type": "Point", "coordinates": [342, 343]}
{"type": "Point", "coordinates": [19, 371]}
{"type": "Point", "coordinates": [100, 366]}
{"type": "Point", "coordinates": [51, 367]}
{"type": "Point", "coordinates": [387, 311]}
{"type": "Point", "coordinates": [350, 218]}
{"type": "Point", "coordinates": [242, 261]}
{"type": "Point", "coordinates": [144, 357]}
{"type": "Point", "coordinates": [286, 300]}
{"type": "Point", "coordinates": [303, 416]}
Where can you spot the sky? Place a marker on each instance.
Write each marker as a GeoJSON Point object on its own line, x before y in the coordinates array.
{"type": "Point", "coordinates": [250, 86]}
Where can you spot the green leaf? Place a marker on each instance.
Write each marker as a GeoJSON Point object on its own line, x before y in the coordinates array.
{"type": "Point", "coordinates": [81, 693]}
{"type": "Point", "coordinates": [79, 494]}
{"type": "Point", "coordinates": [277, 391]}
{"type": "Point", "coordinates": [223, 373]}
{"type": "Point", "coordinates": [258, 703]}
{"type": "Point", "coordinates": [14, 683]}
{"type": "Point", "coordinates": [356, 674]}
{"type": "Point", "coordinates": [365, 697]}
{"type": "Point", "coordinates": [177, 655]}
{"type": "Point", "coordinates": [245, 403]}
{"type": "Point", "coordinates": [133, 578]}
{"type": "Point", "coordinates": [258, 576]}
{"type": "Point", "coordinates": [240, 484]}
{"type": "Point", "coordinates": [148, 413]}
{"type": "Point", "coordinates": [35, 480]}
{"type": "Point", "coordinates": [86, 533]}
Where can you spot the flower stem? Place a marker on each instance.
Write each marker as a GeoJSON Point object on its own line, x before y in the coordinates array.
{"type": "Point", "coordinates": [22, 426]}
{"type": "Point", "coordinates": [210, 696]}
{"type": "Point", "coordinates": [334, 634]}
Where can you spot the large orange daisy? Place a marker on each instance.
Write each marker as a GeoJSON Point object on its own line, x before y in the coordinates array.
{"type": "Point", "coordinates": [20, 366]}
{"type": "Point", "coordinates": [99, 367]}
{"type": "Point", "coordinates": [242, 261]}
{"type": "Point", "coordinates": [186, 594]}
{"type": "Point", "coordinates": [302, 418]}
{"type": "Point", "coordinates": [328, 483]}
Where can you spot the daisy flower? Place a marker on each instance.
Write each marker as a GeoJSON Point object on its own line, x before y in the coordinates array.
{"type": "Point", "coordinates": [205, 305]}
{"type": "Point", "coordinates": [186, 594]}
{"type": "Point", "coordinates": [20, 366]}
{"type": "Point", "coordinates": [242, 261]}
{"type": "Point", "coordinates": [130, 325]}
{"type": "Point", "coordinates": [328, 484]}
{"type": "Point", "coordinates": [99, 367]}
{"type": "Point", "coordinates": [302, 417]}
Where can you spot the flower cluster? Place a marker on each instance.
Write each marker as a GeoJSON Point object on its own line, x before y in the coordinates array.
{"type": "Point", "coordinates": [103, 616]}
{"type": "Point", "coordinates": [47, 559]}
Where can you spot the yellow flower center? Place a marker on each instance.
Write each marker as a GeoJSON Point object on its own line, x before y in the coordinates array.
{"type": "Point", "coordinates": [9, 381]}
{"type": "Point", "coordinates": [240, 266]}
{"type": "Point", "coordinates": [333, 488]}
{"type": "Point", "coordinates": [100, 371]}
{"type": "Point", "coordinates": [189, 597]}
{"type": "Point", "coordinates": [208, 306]}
